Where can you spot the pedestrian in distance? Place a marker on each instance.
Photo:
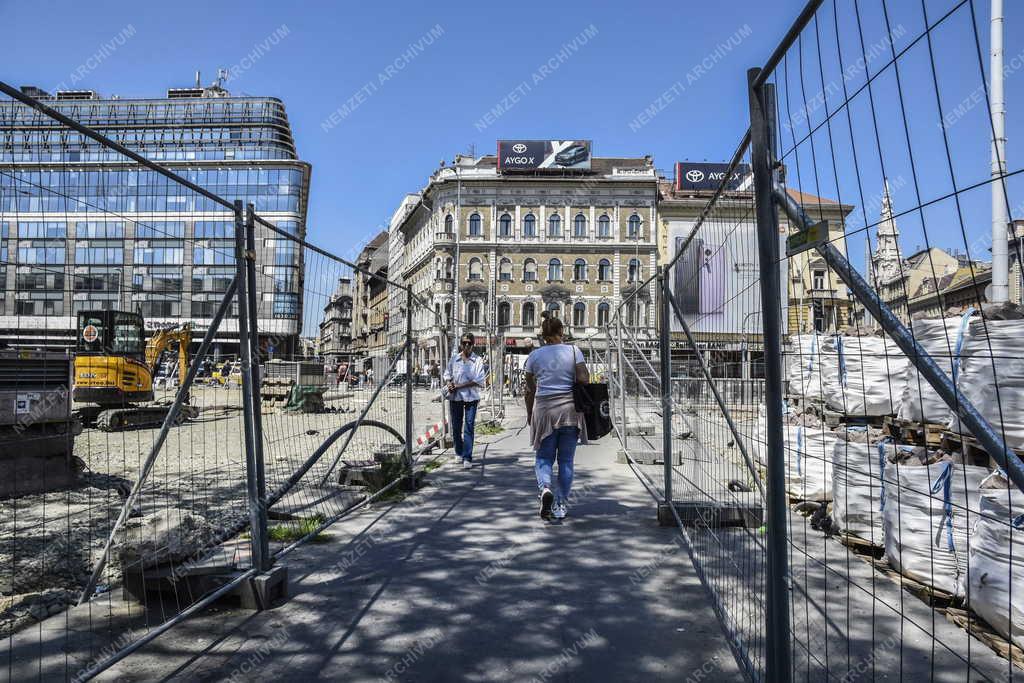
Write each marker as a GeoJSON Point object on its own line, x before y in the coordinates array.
{"type": "Point", "coordinates": [464, 377]}
{"type": "Point", "coordinates": [555, 425]}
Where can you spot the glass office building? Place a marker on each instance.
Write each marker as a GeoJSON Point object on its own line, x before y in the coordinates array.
{"type": "Point", "coordinates": [83, 228]}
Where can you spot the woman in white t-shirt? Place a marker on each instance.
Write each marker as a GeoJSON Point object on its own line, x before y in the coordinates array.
{"type": "Point", "coordinates": [555, 426]}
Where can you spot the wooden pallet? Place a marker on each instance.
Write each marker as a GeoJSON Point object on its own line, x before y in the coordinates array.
{"type": "Point", "coordinates": [973, 452]}
{"type": "Point", "coordinates": [926, 434]}
{"type": "Point", "coordinates": [933, 596]}
{"type": "Point", "coordinates": [861, 546]}
{"type": "Point", "coordinates": [979, 628]}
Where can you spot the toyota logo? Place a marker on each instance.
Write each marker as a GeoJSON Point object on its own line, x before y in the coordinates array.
{"type": "Point", "coordinates": [695, 176]}
{"type": "Point", "coordinates": [519, 148]}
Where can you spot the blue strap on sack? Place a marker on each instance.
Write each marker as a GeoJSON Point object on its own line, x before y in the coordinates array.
{"type": "Point", "coordinates": [814, 350]}
{"type": "Point", "coordinates": [945, 482]}
{"type": "Point", "coordinates": [881, 470]}
{"type": "Point", "coordinates": [799, 447]}
{"type": "Point", "coordinates": [961, 333]}
{"type": "Point", "coordinates": [842, 359]}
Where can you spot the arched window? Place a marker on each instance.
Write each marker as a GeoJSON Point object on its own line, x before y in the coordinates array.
{"type": "Point", "coordinates": [448, 313]}
{"type": "Point", "coordinates": [505, 225]}
{"type": "Point", "coordinates": [634, 226]}
{"type": "Point", "coordinates": [529, 314]}
{"type": "Point", "coordinates": [554, 270]}
{"type": "Point", "coordinates": [631, 314]}
{"type": "Point", "coordinates": [437, 315]}
{"type": "Point", "coordinates": [473, 313]}
{"type": "Point", "coordinates": [579, 226]}
{"type": "Point", "coordinates": [448, 221]}
{"type": "Point", "coordinates": [604, 226]}
{"type": "Point", "coordinates": [529, 225]}
{"type": "Point", "coordinates": [604, 311]}
{"type": "Point", "coordinates": [448, 272]}
{"type": "Point", "coordinates": [476, 269]}
{"type": "Point", "coordinates": [579, 314]}
{"type": "Point", "coordinates": [555, 309]}
{"type": "Point", "coordinates": [438, 272]}
{"type": "Point", "coordinates": [529, 270]}
{"type": "Point", "coordinates": [474, 225]}
{"type": "Point", "coordinates": [505, 270]}
{"type": "Point", "coordinates": [634, 270]}
{"type": "Point", "coordinates": [579, 270]}
{"type": "Point", "coordinates": [504, 314]}
{"type": "Point", "coordinates": [604, 270]}
{"type": "Point", "coordinates": [554, 226]}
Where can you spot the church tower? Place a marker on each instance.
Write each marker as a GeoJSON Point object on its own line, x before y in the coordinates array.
{"type": "Point", "coordinates": [886, 262]}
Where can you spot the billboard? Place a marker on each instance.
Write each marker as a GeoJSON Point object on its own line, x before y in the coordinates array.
{"type": "Point", "coordinates": [693, 175]}
{"type": "Point", "coordinates": [543, 155]}
{"type": "Point", "coordinates": [716, 280]}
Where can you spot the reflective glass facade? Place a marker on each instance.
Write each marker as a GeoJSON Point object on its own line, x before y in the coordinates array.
{"type": "Point", "coordinates": [82, 227]}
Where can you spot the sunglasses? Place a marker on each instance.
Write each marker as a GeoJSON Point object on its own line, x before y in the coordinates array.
{"type": "Point", "coordinates": [466, 341]}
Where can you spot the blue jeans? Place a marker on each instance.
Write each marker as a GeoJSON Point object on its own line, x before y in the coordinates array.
{"type": "Point", "coordinates": [561, 445]}
{"type": "Point", "coordinates": [463, 439]}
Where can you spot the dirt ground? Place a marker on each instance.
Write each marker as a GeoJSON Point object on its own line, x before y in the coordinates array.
{"type": "Point", "coordinates": [50, 542]}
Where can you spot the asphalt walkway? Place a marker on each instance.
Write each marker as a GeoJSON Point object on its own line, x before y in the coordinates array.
{"type": "Point", "coordinates": [462, 581]}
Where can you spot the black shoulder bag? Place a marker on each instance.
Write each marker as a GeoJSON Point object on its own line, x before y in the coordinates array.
{"type": "Point", "coordinates": [591, 399]}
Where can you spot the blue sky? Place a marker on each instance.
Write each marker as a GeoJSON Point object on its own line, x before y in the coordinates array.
{"type": "Point", "coordinates": [434, 105]}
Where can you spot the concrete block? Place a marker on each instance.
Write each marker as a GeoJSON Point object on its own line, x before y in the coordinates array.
{"type": "Point", "coordinates": [713, 515]}
{"type": "Point", "coordinates": [263, 590]}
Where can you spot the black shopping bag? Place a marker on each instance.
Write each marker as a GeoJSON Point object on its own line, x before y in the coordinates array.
{"type": "Point", "coordinates": [592, 401]}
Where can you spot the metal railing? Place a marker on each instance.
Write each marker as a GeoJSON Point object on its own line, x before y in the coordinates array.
{"type": "Point", "coordinates": [848, 478]}
{"type": "Point", "coordinates": [136, 506]}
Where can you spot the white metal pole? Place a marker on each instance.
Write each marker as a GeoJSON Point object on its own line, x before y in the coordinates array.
{"type": "Point", "coordinates": [1000, 219]}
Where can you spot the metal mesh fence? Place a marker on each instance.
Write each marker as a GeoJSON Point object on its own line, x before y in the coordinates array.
{"type": "Point", "coordinates": [849, 497]}
{"type": "Point", "coordinates": [112, 274]}
{"type": "Point", "coordinates": [894, 491]}
{"type": "Point", "coordinates": [187, 391]}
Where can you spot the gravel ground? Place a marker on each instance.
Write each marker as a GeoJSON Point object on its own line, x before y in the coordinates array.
{"type": "Point", "coordinates": [197, 486]}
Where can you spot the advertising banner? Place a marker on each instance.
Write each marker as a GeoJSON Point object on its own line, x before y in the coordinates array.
{"type": "Point", "coordinates": [543, 155]}
{"type": "Point", "coordinates": [693, 175]}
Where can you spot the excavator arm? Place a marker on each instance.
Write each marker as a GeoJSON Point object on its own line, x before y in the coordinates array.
{"type": "Point", "coordinates": [159, 343]}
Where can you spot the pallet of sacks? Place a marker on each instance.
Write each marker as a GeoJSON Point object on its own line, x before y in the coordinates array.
{"type": "Point", "coordinates": [943, 340]}
{"type": "Point", "coordinates": [991, 372]}
{"type": "Point", "coordinates": [869, 378]}
{"type": "Point", "coordinates": [858, 461]}
{"type": "Point", "coordinates": [807, 448]}
{"type": "Point", "coordinates": [995, 583]}
{"type": "Point", "coordinates": [930, 504]}
{"type": "Point", "coordinates": [810, 363]}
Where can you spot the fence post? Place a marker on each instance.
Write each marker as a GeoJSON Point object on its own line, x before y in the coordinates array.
{"type": "Point", "coordinates": [777, 633]}
{"type": "Point", "coordinates": [257, 514]}
{"type": "Point", "coordinates": [622, 383]}
{"type": "Point", "coordinates": [409, 379]}
{"type": "Point", "coordinates": [664, 328]}
{"type": "Point", "coordinates": [257, 380]}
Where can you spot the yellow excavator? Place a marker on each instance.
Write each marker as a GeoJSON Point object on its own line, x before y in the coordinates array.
{"type": "Point", "coordinates": [115, 367]}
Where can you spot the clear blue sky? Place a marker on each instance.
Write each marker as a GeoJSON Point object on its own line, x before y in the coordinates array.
{"type": "Point", "coordinates": [430, 109]}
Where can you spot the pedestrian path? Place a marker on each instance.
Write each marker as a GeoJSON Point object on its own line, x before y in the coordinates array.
{"type": "Point", "coordinates": [462, 581]}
